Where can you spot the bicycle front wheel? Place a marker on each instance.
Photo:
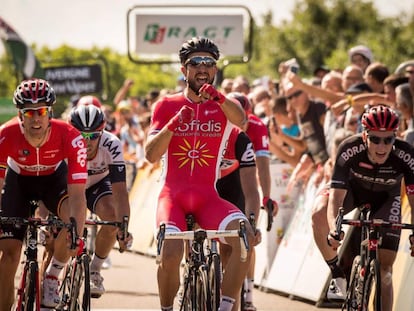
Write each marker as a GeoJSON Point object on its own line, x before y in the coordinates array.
{"type": "Point", "coordinates": [28, 295]}
{"type": "Point", "coordinates": [203, 292]}
{"type": "Point", "coordinates": [372, 287]}
{"type": "Point", "coordinates": [351, 300]}
{"type": "Point", "coordinates": [80, 293]}
{"type": "Point", "coordinates": [214, 275]}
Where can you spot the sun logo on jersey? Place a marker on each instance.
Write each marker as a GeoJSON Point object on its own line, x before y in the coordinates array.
{"type": "Point", "coordinates": [192, 155]}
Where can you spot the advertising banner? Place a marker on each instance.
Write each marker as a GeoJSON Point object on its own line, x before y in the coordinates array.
{"type": "Point", "coordinates": [162, 34]}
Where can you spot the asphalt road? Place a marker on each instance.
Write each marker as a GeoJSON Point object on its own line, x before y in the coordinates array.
{"type": "Point", "coordinates": [131, 284]}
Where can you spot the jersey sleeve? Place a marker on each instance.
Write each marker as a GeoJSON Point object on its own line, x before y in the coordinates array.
{"type": "Point", "coordinates": [245, 151]}
{"type": "Point", "coordinates": [340, 174]}
{"type": "Point", "coordinates": [76, 156]}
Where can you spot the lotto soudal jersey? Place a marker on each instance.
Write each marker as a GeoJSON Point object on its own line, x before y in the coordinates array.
{"type": "Point", "coordinates": [109, 159]}
{"type": "Point", "coordinates": [195, 151]}
{"type": "Point", "coordinates": [64, 143]}
{"type": "Point", "coordinates": [353, 170]}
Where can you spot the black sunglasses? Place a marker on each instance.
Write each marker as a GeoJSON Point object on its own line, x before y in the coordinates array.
{"type": "Point", "coordinates": [294, 95]}
{"type": "Point", "coordinates": [377, 140]}
{"type": "Point", "coordinates": [197, 61]}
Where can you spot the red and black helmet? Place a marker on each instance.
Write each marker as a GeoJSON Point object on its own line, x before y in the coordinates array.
{"type": "Point", "coordinates": [89, 100]}
{"type": "Point", "coordinates": [242, 99]}
{"type": "Point", "coordinates": [34, 91]}
{"type": "Point", "coordinates": [380, 118]}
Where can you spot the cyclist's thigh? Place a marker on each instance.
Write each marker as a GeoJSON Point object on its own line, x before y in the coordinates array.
{"type": "Point", "coordinates": [14, 203]}
{"type": "Point", "coordinates": [390, 210]}
{"type": "Point", "coordinates": [387, 258]}
{"type": "Point", "coordinates": [53, 189]}
{"type": "Point", "coordinates": [170, 213]}
{"type": "Point", "coordinates": [99, 199]}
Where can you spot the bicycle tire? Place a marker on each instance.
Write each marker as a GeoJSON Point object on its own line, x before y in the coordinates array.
{"type": "Point", "coordinates": [372, 282]}
{"type": "Point", "coordinates": [185, 300]}
{"type": "Point", "coordinates": [79, 297]}
{"type": "Point", "coordinates": [214, 275]}
{"type": "Point", "coordinates": [351, 299]}
{"type": "Point", "coordinates": [203, 301]}
{"type": "Point", "coordinates": [29, 294]}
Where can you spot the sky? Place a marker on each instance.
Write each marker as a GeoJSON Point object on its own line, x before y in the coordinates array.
{"type": "Point", "coordinates": [84, 23]}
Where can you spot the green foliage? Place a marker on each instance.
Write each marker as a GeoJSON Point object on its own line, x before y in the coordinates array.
{"type": "Point", "coordinates": [319, 32]}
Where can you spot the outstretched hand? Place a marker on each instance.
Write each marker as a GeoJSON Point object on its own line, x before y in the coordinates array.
{"type": "Point", "coordinates": [207, 91]}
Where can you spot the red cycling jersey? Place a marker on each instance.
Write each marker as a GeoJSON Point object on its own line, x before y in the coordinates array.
{"type": "Point", "coordinates": [259, 135]}
{"type": "Point", "coordinates": [191, 164]}
{"type": "Point", "coordinates": [63, 142]}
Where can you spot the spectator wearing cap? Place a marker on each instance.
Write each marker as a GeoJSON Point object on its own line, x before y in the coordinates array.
{"type": "Point", "coordinates": [375, 75]}
{"type": "Point", "coordinates": [361, 56]}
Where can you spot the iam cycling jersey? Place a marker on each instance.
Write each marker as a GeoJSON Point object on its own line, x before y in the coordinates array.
{"type": "Point", "coordinates": [376, 184]}
{"type": "Point", "coordinates": [239, 154]}
{"type": "Point", "coordinates": [191, 164]}
{"type": "Point", "coordinates": [63, 143]}
{"type": "Point", "coordinates": [259, 135]}
{"type": "Point", "coordinates": [109, 160]}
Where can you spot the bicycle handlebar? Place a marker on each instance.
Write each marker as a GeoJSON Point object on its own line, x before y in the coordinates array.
{"type": "Point", "coordinates": [38, 222]}
{"type": "Point", "coordinates": [204, 234]}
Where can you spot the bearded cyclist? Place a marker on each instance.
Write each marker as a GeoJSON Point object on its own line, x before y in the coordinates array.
{"type": "Point", "coordinates": [40, 159]}
{"type": "Point", "coordinates": [189, 131]}
{"type": "Point", "coordinates": [369, 168]}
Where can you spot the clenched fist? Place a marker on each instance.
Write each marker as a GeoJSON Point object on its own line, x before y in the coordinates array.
{"type": "Point", "coordinates": [185, 115]}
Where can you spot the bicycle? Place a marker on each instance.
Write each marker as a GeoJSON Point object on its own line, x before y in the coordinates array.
{"type": "Point", "coordinates": [28, 292]}
{"type": "Point", "coordinates": [75, 288]}
{"type": "Point", "coordinates": [365, 277]}
{"type": "Point", "coordinates": [202, 267]}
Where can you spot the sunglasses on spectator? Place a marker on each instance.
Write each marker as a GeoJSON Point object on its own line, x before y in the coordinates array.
{"type": "Point", "coordinates": [294, 95]}
{"type": "Point", "coordinates": [410, 72]}
{"type": "Point", "coordinates": [377, 140]}
{"type": "Point", "coordinates": [30, 112]}
{"type": "Point", "coordinates": [91, 135]}
{"type": "Point", "coordinates": [197, 61]}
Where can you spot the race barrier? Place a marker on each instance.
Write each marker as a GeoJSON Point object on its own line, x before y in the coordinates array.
{"type": "Point", "coordinates": [288, 260]}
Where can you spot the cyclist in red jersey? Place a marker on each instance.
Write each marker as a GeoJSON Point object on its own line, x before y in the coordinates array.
{"type": "Point", "coordinates": [189, 131]}
{"type": "Point", "coordinates": [40, 159]}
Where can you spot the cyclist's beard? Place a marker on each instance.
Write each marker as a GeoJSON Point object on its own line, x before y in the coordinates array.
{"type": "Point", "coordinates": [194, 86]}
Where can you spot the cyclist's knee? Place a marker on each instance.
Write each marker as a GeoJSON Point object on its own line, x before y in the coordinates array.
{"type": "Point", "coordinates": [172, 253]}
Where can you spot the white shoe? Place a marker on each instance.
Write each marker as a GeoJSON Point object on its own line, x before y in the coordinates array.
{"type": "Point", "coordinates": [337, 289]}
{"type": "Point", "coordinates": [97, 288]}
{"type": "Point", "coordinates": [107, 263]}
{"type": "Point", "coordinates": [50, 291]}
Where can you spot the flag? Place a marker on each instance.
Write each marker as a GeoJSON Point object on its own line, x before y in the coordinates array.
{"type": "Point", "coordinates": [23, 57]}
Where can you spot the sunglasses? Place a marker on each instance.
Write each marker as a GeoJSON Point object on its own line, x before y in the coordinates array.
{"type": "Point", "coordinates": [377, 140]}
{"type": "Point", "coordinates": [30, 112]}
{"type": "Point", "coordinates": [410, 72]}
{"type": "Point", "coordinates": [197, 61]}
{"type": "Point", "coordinates": [91, 135]}
{"type": "Point", "coordinates": [294, 95]}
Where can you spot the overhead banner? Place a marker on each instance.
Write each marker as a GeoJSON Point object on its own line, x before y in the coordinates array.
{"type": "Point", "coordinates": [164, 34]}
{"type": "Point", "coordinates": [71, 80]}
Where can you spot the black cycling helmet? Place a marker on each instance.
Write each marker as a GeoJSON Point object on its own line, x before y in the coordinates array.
{"type": "Point", "coordinates": [87, 118]}
{"type": "Point", "coordinates": [198, 44]}
{"type": "Point", "coordinates": [242, 99]}
{"type": "Point", "coordinates": [380, 118]}
{"type": "Point", "coordinates": [34, 91]}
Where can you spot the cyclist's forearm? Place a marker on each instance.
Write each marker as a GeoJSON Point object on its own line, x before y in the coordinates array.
{"type": "Point", "coordinates": [121, 200]}
{"type": "Point", "coordinates": [336, 200]}
{"type": "Point", "coordinates": [77, 205]}
{"type": "Point", "coordinates": [157, 145]}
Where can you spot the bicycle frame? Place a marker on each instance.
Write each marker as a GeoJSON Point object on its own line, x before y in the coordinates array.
{"type": "Point", "coordinates": [365, 273]}
{"type": "Point", "coordinates": [75, 288]}
{"type": "Point", "coordinates": [201, 262]}
{"type": "Point", "coordinates": [28, 292]}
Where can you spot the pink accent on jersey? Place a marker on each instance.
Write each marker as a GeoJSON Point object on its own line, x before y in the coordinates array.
{"type": "Point", "coordinates": [64, 142]}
